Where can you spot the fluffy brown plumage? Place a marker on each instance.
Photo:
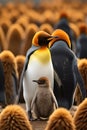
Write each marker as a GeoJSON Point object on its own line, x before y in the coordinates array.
{"type": "Point", "coordinates": [80, 117]}
{"type": "Point", "coordinates": [5, 25]}
{"type": "Point", "coordinates": [47, 28]}
{"type": "Point", "coordinates": [23, 21]}
{"type": "Point", "coordinates": [13, 117]}
{"type": "Point", "coordinates": [11, 75]}
{"type": "Point", "coordinates": [29, 33]}
{"type": "Point", "coordinates": [15, 38]}
{"type": "Point", "coordinates": [2, 40]}
{"type": "Point", "coordinates": [83, 28]}
{"type": "Point", "coordinates": [20, 59]}
{"type": "Point", "coordinates": [82, 66]}
{"type": "Point", "coordinates": [44, 101]}
{"type": "Point", "coordinates": [60, 119]}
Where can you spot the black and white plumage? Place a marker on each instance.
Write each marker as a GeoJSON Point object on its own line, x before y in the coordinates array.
{"type": "Point", "coordinates": [38, 63]}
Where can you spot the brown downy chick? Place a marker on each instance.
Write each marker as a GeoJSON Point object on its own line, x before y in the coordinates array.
{"type": "Point", "coordinates": [80, 117]}
{"type": "Point", "coordinates": [15, 38]}
{"type": "Point", "coordinates": [11, 75]}
{"type": "Point", "coordinates": [44, 99]}
{"type": "Point", "coordinates": [29, 33]}
{"type": "Point", "coordinates": [20, 60]}
{"type": "Point", "coordinates": [47, 28]}
{"type": "Point", "coordinates": [82, 66]}
{"type": "Point", "coordinates": [60, 119]}
{"type": "Point", "coordinates": [13, 117]}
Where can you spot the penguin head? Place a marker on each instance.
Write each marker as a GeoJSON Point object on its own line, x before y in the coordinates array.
{"type": "Point", "coordinates": [83, 28]}
{"type": "Point", "coordinates": [42, 38]}
{"type": "Point", "coordinates": [43, 81]}
{"type": "Point", "coordinates": [60, 35]}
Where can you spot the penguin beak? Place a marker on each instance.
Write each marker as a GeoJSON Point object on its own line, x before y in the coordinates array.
{"type": "Point", "coordinates": [53, 37]}
{"type": "Point", "coordinates": [35, 81]}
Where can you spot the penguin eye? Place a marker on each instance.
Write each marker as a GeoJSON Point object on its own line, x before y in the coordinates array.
{"type": "Point", "coordinates": [41, 81]}
{"type": "Point", "coordinates": [43, 41]}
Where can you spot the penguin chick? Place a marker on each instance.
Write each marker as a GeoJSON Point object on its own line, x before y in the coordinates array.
{"type": "Point", "coordinates": [82, 66]}
{"type": "Point", "coordinates": [44, 99]}
{"type": "Point", "coordinates": [29, 33]}
{"type": "Point", "coordinates": [15, 37]}
{"type": "Point", "coordinates": [65, 66]}
{"type": "Point", "coordinates": [20, 60]}
{"type": "Point", "coordinates": [11, 75]}
{"type": "Point", "coordinates": [80, 117]}
{"type": "Point", "coordinates": [81, 45]}
{"type": "Point", "coordinates": [60, 119]}
{"type": "Point", "coordinates": [13, 117]}
{"type": "Point", "coordinates": [38, 63]}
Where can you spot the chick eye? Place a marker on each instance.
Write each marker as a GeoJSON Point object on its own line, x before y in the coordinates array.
{"type": "Point", "coordinates": [41, 81]}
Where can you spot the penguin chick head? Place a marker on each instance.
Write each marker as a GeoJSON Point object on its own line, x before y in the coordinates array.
{"type": "Point", "coordinates": [43, 81]}
{"type": "Point", "coordinates": [60, 35]}
{"type": "Point", "coordinates": [41, 38]}
{"type": "Point", "coordinates": [83, 28]}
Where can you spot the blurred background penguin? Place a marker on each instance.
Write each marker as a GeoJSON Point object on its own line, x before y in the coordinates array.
{"type": "Point", "coordinates": [10, 75]}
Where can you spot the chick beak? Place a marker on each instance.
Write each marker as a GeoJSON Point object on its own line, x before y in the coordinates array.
{"type": "Point", "coordinates": [35, 81]}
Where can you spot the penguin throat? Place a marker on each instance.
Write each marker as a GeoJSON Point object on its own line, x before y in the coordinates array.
{"type": "Point", "coordinates": [43, 55]}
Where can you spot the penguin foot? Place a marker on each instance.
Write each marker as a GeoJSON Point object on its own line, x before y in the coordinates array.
{"type": "Point", "coordinates": [32, 119]}
{"type": "Point", "coordinates": [30, 115]}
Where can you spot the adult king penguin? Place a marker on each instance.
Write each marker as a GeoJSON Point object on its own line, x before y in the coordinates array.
{"type": "Point", "coordinates": [66, 70]}
{"type": "Point", "coordinates": [38, 63]}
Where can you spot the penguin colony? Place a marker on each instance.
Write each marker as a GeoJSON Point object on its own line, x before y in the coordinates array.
{"type": "Point", "coordinates": [53, 54]}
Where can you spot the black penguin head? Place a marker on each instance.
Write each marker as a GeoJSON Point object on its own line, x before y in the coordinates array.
{"type": "Point", "coordinates": [42, 38]}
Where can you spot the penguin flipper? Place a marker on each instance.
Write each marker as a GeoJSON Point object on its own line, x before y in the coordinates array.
{"type": "Point", "coordinates": [29, 52]}
{"type": "Point", "coordinates": [80, 81]}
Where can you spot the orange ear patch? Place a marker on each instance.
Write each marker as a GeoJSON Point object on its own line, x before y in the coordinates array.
{"type": "Point", "coordinates": [62, 35]}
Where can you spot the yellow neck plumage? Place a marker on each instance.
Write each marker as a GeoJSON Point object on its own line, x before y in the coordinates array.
{"type": "Point", "coordinates": [42, 55]}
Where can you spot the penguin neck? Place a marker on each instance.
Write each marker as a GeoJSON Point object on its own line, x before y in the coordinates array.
{"type": "Point", "coordinates": [43, 55]}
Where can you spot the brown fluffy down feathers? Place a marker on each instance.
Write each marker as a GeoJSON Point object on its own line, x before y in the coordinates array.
{"type": "Point", "coordinates": [13, 117]}
{"type": "Point", "coordinates": [82, 66]}
{"type": "Point", "coordinates": [80, 117]}
{"type": "Point", "coordinates": [60, 119]}
{"type": "Point", "coordinates": [10, 69]}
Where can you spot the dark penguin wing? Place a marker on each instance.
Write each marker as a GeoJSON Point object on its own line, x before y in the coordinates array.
{"type": "Point", "coordinates": [2, 85]}
{"type": "Point", "coordinates": [29, 53]}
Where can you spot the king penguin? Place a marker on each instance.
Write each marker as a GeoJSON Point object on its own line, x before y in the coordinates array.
{"type": "Point", "coordinates": [66, 71]}
{"type": "Point", "coordinates": [38, 63]}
